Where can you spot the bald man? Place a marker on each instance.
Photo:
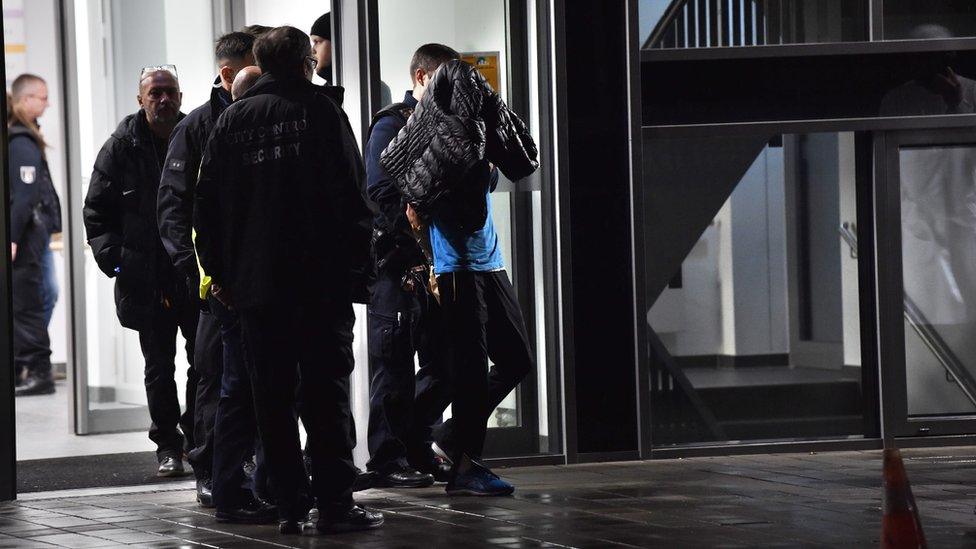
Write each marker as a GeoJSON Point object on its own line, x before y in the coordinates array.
{"type": "Point", "coordinates": [244, 80]}
{"type": "Point", "coordinates": [150, 295]}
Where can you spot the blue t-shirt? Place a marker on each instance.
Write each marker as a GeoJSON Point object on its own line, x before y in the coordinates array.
{"type": "Point", "coordinates": [457, 251]}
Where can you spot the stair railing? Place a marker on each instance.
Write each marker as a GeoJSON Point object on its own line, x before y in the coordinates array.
{"type": "Point", "coordinates": [921, 326]}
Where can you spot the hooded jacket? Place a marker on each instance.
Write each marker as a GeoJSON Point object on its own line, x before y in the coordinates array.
{"type": "Point", "coordinates": [459, 123]}
{"type": "Point", "coordinates": [120, 219]}
{"type": "Point", "coordinates": [33, 200]}
{"type": "Point", "coordinates": [281, 212]}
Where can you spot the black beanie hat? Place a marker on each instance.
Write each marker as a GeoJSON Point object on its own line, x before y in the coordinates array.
{"type": "Point", "coordinates": [323, 27]}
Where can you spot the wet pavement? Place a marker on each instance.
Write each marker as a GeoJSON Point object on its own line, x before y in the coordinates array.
{"type": "Point", "coordinates": [785, 500]}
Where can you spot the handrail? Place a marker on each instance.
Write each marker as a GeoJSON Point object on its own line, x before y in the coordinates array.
{"type": "Point", "coordinates": [666, 20]}
{"type": "Point", "coordinates": [930, 338]}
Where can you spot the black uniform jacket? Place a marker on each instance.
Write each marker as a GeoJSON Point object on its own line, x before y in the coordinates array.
{"type": "Point", "coordinates": [33, 200]}
{"type": "Point", "coordinates": [174, 209]}
{"type": "Point", "coordinates": [120, 219]}
{"type": "Point", "coordinates": [281, 212]}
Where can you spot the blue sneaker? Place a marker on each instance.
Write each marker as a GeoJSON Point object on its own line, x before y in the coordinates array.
{"type": "Point", "coordinates": [479, 481]}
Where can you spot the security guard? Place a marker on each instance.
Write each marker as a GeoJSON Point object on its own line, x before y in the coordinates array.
{"type": "Point", "coordinates": [35, 213]}
{"type": "Point", "coordinates": [283, 229]}
{"type": "Point", "coordinates": [175, 218]}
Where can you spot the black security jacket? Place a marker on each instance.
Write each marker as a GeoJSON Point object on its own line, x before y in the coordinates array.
{"type": "Point", "coordinates": [120, 219]}
{"type": "Point", "coordinates": [174, 209]}
{"type": "Point", "coordinates": [281, 212]}
{"type": "Point", "coordinates": [458, 126]}
{"type": "Point", "coordinates": [33, 200]}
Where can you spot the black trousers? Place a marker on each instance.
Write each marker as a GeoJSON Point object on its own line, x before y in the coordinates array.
{"type": "Point", "coordinates": [310, 341]}
{"type": "Point", "coordinates": [209, 365]}
{"type": "Point", "coordinates": [235, 431]}
{"type": "Point", "coordinates": [481, 319]}
{"type": "Point", "coordinates": [158, 342]}
{"type": "Point", "coordinates": [403, 405]}
{"type": "Point", "coordinates": [32, 345]}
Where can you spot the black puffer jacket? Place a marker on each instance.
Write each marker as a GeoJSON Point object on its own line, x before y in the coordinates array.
{"type": "Point", "coordinates": [459, 122]}
{"type": "Point", "coordinates": [120, 219]}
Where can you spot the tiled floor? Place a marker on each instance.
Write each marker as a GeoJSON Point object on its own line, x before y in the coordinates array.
{"type": "Point", "coordinates": [748, 501]}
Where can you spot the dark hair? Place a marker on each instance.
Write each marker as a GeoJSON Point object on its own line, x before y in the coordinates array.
{"type": "Point", "coordinates": [234, 46]}
{"type": "Point", "coordinates": [257, 31]}
{"type": "Point", "coordinates": [430, 56]}
{"type": "Point", "coordinates": [282, 50]}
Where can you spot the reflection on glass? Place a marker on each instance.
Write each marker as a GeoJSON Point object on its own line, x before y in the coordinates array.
{"type": "Point", "coordinates": [725, 23]}
{"type": "Point", "coordinates": [760, 330]}
{"type": "Point", "coordinates": [938, 203]}
{"type": "Point", "coordinates": [936, 87]}
{"type": "Point", "coordinates": [902, 17]}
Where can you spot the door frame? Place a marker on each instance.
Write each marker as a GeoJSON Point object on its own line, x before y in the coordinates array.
{"type": "Point", "coordinates": [896, 420]}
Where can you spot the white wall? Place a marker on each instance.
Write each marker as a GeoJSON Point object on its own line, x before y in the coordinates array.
{"type": "Point", "coordinates": [299, 14]}
{"type": "Point", "coordinates": [733, 295]}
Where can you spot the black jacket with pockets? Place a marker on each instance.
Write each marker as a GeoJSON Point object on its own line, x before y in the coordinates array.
{"type": "Point", "coordinates": [33, 200]}
{"type": "Point", "coordinates": [120, 219]}
{"type": "Point", "coordinates": [281, 212]}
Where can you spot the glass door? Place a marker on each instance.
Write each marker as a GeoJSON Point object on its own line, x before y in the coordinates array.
{"type": "Point", "coordinates": [930, 381]}
{"type": "Point", "coordinates": [497, 36]}
{"type": "Point", "coordinates": [107, 44]}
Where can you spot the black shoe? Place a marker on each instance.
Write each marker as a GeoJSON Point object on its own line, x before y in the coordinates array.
{"type": "Point", "coordinates": [352, 520]}
{"type": "Point", "coordinates": [364, 480]}
{"type": "Point", "coordinates": [254, 511]}
{"type": "Point", "coordinates": [205, 493]}
{"type": "Point", "coordinates": [289, 527]}
{"type": "Point", "coordinates": [170, 466]}
{"type": "Point", "coordinates": [404, 478]}
{"type": "Point", "coordinates": [35, 386]}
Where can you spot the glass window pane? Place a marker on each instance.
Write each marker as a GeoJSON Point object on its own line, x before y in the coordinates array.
{"type": "Point", "coordinates": [938, 211]}
{"type": "Point", "coordinates": [759, 331]}
{"type": "Point", "coordinates": [927, 19]}
{"type": "Point", "coordinates": [731, 23]}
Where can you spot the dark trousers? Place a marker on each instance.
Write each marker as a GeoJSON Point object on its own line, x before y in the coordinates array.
{"type": "Point", "coordinates": [32, 345]}
{"type": "Point", "coordinates": [481, 319]}
{"type": "Point", "coordinates": [208, 364]}
{"type": "Point", "coordinates": [402, 405]}
{"type": "Point", "coordinates": [235, 431]}
{"type": "Point", "coordinates": [311, 341]}
{"type": "Point", "coordinates": [158, 342]}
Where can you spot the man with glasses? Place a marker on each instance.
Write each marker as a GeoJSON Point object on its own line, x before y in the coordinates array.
{"type": "Point", "coordinates": [150, 295]}
{"type": "Point", "coordinates": [218, 359]}
{"type": "Point", "coordinates": [283, 229]}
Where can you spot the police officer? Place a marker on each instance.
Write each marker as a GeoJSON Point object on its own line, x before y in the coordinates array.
{"type": "Point", "coordinates": [35, 213]}
{"type": "Point", "coordinates": [151, 296]}
{"type": "Point", "coordinates": [402, 315]}
{"type": "Point", "coordinates": [175, 218]}
{"type": "Point", "coordinates": [283, 229]}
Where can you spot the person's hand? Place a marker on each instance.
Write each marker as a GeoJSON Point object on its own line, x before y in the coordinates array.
{"type": "Point", "coordinates": [222, 295]}
{"type": "Point", "coordinates": [413, 217]}
{"type": "Point", "coordinates": [13, 251]}
{"type": "Point", "coordinates": [948, 85]}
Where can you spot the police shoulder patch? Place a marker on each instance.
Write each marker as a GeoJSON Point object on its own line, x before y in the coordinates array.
{"type": "Point", "coordinates": [176, 164]}
{"type": "Point", "coordinates": [28, 174]}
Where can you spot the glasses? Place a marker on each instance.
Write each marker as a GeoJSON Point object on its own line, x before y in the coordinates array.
{"type": "Point", "coordinates": [312, 62]}
{"type": "Point", "coordinates": [146, 71]}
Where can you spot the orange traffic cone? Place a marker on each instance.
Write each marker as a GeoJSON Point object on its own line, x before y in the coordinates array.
{"type": "Point", "coordinates": [900, 526]}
